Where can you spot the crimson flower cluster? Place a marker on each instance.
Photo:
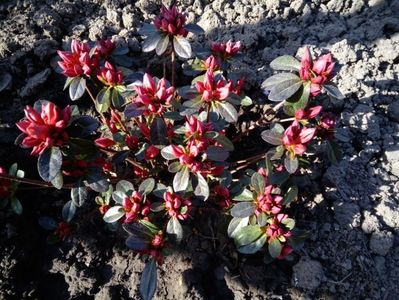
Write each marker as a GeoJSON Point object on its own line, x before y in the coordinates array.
{"type": "Point", "coordinates": [171, 21]}
{"type": "Point", "coordinates": [225, 50]}
{"type": "Point", "coordinates": [317, 72]}
{"type": "Point", "coordinates": [211, 89]}
{"type": "Point", "coordinates": [46, 129]}
{"type": "Point", "coordinates": [134, 207]}
{"type": "Point", "coordinates": [177, 206]}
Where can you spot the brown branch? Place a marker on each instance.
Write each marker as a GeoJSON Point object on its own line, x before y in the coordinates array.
{"type": "Point", "coordinates": [33, 181]}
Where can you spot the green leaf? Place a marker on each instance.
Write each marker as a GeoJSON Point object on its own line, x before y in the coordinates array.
{"type": "Point", "coordinates": [235, 226]}
{"type": "Point", "coordinates": [202, 188]}
{"type": "Point", "coordinates": [150, 43]}
{"type": "Point", "coordinates": [194, 28]}
{"type": "Point", "coordinates": [181, 179]}
{"type": "Point", "coordinates": [158, 132]}
{"type": "Point", "coordinates": [254, 246]}
{"type": "Point", "coordinates": [49, 163]}
{"type": "Point", "coordinates": [258, 183]}
{"type": "Point", "coordinates": [291, 164]}
{"type": "Point", "coordinates": [275, 247]}
{"type": "Point", "coordinates": [227, 111]}
{"type": "Point", "coordinates": [279, 178]}
{"type": "Point", "coordinates": [277, 79]}
{"type": "Point", "coordinates": [268, 163]}
{"type": "Point", "coordinates": [84, 125]}
{"type": "Point", "coordinates": [103, 100]}
{"type": "Point", "coordinates": [298, 238]}
{"type": "Point", "coordinates": [245, 195]}
{"type": "Point", "coordinates": [332, 90]}
{"type": "Point", "coordinates": [114, 214]}
{"type": "Point", "coordinates": [77, 88]}
{"type": "Point", "coordinates": [225, 142]}
{"type": "Point", "coordinates": [243, 209]}
{"type": "Point", "coordinates": [217, 153]}
{"type": "Point", "coordinates": [247, 235]}
{"type": "Point", "coordinates": [175, 229]}
{"type": "Point", "coordinates": [291, 195]}
{"type": "Point", "coordinates": [272, 137]}
{"type": "Point", "coordinates": [285, 63]}
{"type": "Point", "coordinates": [262, 219]}
{"type": "Point", "coordinates": [16, 206]}
{"type": "Point", "coordinates": [159, 190]}
{"type": "Point", "coordinates": [154, 229]}
{"type": "Point", "coordinates": [147, 186]}
{"type": "Point", "coordinates": [140, 230]}
{"type": "Point", "coordinates": [148, 281]}
{"type": "Point", "coordinates": [246, 101]}
{"type": "Point", "coordinates": [182, 46]}
{"type": "Point", "coordinates": [79, 194]}
{"type": "Point", "coordinates": [68, 211]}
{"type": "Point", "coordinates": [13, 169]}
{"type": "Point", "coordinates": [289, 223]}
{"type": "Point", "coordinates": [175, 167]}
{"type": "Point", "coordinates": [162, 45]}
{"type": "Point", "coordinates": [134, 110]}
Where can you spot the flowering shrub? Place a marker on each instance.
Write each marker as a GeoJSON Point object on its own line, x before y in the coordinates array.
{"type": "Point", "coordinates": [157, 150]}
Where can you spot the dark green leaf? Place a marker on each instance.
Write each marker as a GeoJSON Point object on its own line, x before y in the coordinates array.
{"type": "Point", "coordinates": [298, 238]}
{"type": "Point", "coordinates": [175, 229]}
{"type": "Point", "coordinates": [217, 153]}
{"type": "Point", "coordinates": [333, 91]}
{"type": "Point", "coordinates": [289, 223]}
{"type": "Point", "coordinates": [194, 28]}
{"type": "Point", "coordinates": [147, 186]}
{"type": "Point", "coordinates": [150, 43]}
{"type": "Point", "coordinates": [117, 99]}
{"type": "Point", "coordinates": [167, 153]}
{"type": "Point", "coordinates": [291, 195]}
{"type": "Point", "coordinates": [147, 29]}
{"type": "Point", "coordinates": [84, 125]}
{"type": "Point", "coordinates": [134, 110]}
{"type": "Point", "coordinates": [235, 226]}
{"type": "Point", "coordinates": [258, 183]}
{"type": "Point", "coordinates": [77, 88]}
{"type": "Point", "coordinates": [158, 132]}
{"type": "Point", "coordinates": [160, 189]}
{"type": "Point", "coordinates": [284, 90]}
{"type": "Point", "coordinates": [137, 243]}
{"type": "Point", "coordinates": [225, 142]}
{"type": "Point", "coordinates": [68, 211]}
{"type": "Point", "coordinates": [79, 194]}
{"type": "Point", "coordinates": [5, 81]}
{"type": "Point", "coordinates": [202, 188]}
{"type": "Point", "coordinates": [119, 196]}
{"type": "Point", "coordinates": [13, 169]}
{"type": "Point", "coordinates": [247, 235]}
{"type": "Point", "coordinates": [275, 247]}
{"type": "Point", "coordinates": [124, 186]}
{"type": "Point", "coordinates": [182, 46]}
{"type": "Point", "coordinates": [103, 100]}
{"type": "Point", "coordinates": [243, 209]}
{"type": "Point", "coordinates": [139, 229]}
{"type": "Point", "coordinates": [114, 214]}
{"type": "Point", "coordinates": [97, 181]}
{"type": "Point", "coordinates": [148, 281]}
{"type": "Point", "coordinates": [162, 45]}
{"type": "Point", "coordinates": [49, 163]}
{"type": "Point", "coordinates": [333, 153]}
{"type": "Point", "coordinates": [279, 178]}
{"type": "Point", "coordinates": [254, 246]}
{"type": "Point", "coordinates": [181, 179]}
{"type": "Point", "coordinates": [58, 181]}
{"type": "Point", "coordinates": [285, 63]}
{"type": "Point", "coordinates": [278, 79]}
{"type": "Point", "coordinates": [121, 50]}
{"type": "Point", "coordinates": [154, 229]}
{"type": "Point", "coordinates": [227, 111]}
{"type": "Point", "coordinates": [291, 164]}
{"type": "Point", "coordinates": [272, 137]}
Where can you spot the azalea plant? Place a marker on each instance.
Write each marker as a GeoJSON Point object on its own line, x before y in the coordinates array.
{"type": "Point", "coordinates": [156, 150]}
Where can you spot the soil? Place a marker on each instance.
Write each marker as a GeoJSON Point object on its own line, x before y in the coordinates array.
{"type": "Point", "coordinates": [350, 209]}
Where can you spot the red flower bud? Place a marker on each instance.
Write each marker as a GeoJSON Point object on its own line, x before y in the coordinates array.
{"type": "Point", "coordinates": [151, 152]}
{"type": "Point", "coordinates": [104, 142]}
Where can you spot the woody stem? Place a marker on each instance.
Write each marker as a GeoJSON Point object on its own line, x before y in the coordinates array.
{"type": "Point", "coordinates": [32, 181]}
{"type": "Point", "coordinates": [94, 102]}
{"type": "Point", "coordinates": [242, 164]}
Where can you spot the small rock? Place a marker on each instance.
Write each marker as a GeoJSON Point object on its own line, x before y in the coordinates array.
{"type": "Point", "coordinates": [370, 223]}
{"type": "Point", "coordinates": [44, 48]}
{"type": "Point", "coordinates": [127, 19]}
{"type": "Point", "coordinates": [389, 212]}
{"type": "Point", "coordinates": [308, 274]}
{"type": "Point", "coordinates": [113, 16]}
{"type": "Point", "coordinates": [393, 111]}
{"type": "Point", "coordinates": [381, 242]}
{"type": "Point", "coordinates": [34, 83]}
